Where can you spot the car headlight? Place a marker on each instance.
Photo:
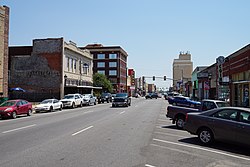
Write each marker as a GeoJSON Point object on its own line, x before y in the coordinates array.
{"type": "Point", "coordinates": [8, 109]}
{"type": "Point", "coordinates": [125, 100]}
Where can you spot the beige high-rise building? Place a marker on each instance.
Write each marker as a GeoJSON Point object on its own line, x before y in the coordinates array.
{"type": "Point", "coordinates": [4, 44]}
{"type": "Point", "coordinates": [182, 69]}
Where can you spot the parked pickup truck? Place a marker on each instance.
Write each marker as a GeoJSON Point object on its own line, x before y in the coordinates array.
{"type": "Point", "coordinates": [178, 114]}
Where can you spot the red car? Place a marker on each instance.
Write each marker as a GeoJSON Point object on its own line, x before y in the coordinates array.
{"type": "Point", "coordinates": [12, 108]}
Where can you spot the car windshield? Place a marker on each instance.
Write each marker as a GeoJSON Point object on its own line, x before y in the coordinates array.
{"type": "Point", "coordinates": [7, 103]}
{"type": "Point", "coordinates": [121, 94]}
{"type": "Point", "coordinates": [68, 97]}
{"type": "Point", "coordinates": [222, 104]}
{"type": "Point", "coordinates": [46, 101]}
{"type": "Point", "coordinates": [105, 94]}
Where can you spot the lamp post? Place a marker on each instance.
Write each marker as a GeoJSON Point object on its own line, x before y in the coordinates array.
{"type": "Point", "coordinates": [209, 83]}
{"type": "Point", "coordinates": [65, 79]}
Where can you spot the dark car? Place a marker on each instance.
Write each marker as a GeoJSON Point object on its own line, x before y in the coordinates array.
{"type": "Point", "coordinates": [105, 97]}
{"type": "Point", "coordinates": [231, 124]}
{"type": "Point", "coordinates": [12, 108]}
{"type": "Point", "coordinates": [184, 102]}
{"type": "Point", "coordinates": [121, 99]}
{"type": "Point", "coordinates": [151, 96]}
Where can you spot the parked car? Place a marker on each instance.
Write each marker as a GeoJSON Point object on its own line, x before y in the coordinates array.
{"type": "Point", "coordinates": [49, 105]}
{"type": "Point", "coordinates": [170, 95]}
{"type": "Point", "coordinates": [121, 99]}
{"type": "Point", "coordinates": [12, 108]}
{"type": "Point", "coordinates": [184, 101]}
{"type": "Point", "coordinates": [105, 97]}
{"type": "Point", "coordinates": [177, 114]}
{"type": "Point", "coordinates": [151, 96]}
{"type": "Point", "coordinates": [225, 124]}
{"type": "Point", "coordinates": [89, 99]}
{"type": "Point", "coordinates": [72, 100]}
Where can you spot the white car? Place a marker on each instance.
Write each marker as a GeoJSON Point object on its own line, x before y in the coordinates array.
{"type": "Point", "coordinates": [72, 100]}
{"type": "Point", "coordinates": [89, 99]}
{"type": "Point", "coordinates": [49, 105]}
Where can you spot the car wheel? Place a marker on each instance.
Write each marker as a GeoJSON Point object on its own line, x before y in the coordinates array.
{"type": "Point", "coordinates": [73, 105]}
{"type": "Point", "coordinates": [29, 112]}
{"type": "Point", "coordinates": [81, 104]}
{"type": "Point", "coordinates": [205, 136]}
{"type": "Point", "coordinates": [113, 105]}
{"type": "Point", "coordinates": [13, 115]}
{"type": "Point", "coordinates": [51, 109]}
{"type": "Point", "coordinates": [95, 103]}
{"type": "Point", "coordinates": [61, 108]}
{"type": "Point", "coordinates": [180, 122]}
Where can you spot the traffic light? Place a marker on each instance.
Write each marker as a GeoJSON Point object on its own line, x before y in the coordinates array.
{"type": "Point", "coordinates": [165, 78]}
{"type": "Point", "coordinates": [153, 78]}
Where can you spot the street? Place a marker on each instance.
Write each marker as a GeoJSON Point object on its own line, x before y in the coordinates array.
{"type": "Point", "coordinates": [102, 136]}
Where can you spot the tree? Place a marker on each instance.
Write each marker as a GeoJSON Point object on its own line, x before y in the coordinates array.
{"type": "Point", "coordinates": [100, 80]}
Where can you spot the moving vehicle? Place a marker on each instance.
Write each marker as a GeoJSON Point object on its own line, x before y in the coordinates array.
{"type": "Point", "coordinates": [121, 99]}
{"type": "Point", "coordinates": [12, 108]}
{"type": "Point", "coordinates": [49, 105]}
{"type": "Point", "coordinates": [184, 101]}
{"type": "Point", "coordinates": [231, 124]}
{"type": "Point", "coordinates": [151, 96]}
{"type": "Point", "coordinates": [105, 97]}
{"type": "Point", "coordinates": [72, 100]}
{"type": "Point", "coordinates": [89, 99]}
{"type": "Point", "coordinates": [178, 114]}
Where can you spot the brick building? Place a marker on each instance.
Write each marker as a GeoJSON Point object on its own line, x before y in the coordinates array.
{"type": "Point", "coordinates": [4, 42]}
{"type": "Point", "coordinates": [236, 74]}
{"type": "Point", "coordinates": [112, 62]}
{"type": "Point", "coordinates": [49, 68]}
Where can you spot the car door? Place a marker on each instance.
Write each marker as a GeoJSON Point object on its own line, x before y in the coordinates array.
{"type": "Point", "coordinates": [243, 128]}
{"type": "Point", "coordinates": [19, 109]}
{"type": "Point", "coordinates": [78, 100]}
{"type": "Point", "coordinates": [56, 104]}
{"type": "Point", "coordinates": [223, 123]}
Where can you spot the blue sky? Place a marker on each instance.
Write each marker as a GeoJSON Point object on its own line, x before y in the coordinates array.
{"type": "Point", "coordinates": [153, 32]}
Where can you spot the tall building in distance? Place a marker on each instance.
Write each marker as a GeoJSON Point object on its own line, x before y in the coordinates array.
{"type": "Point", "coordinates": [112, 62]}
{"type": "Point", "coordinates": [4, 44]}
{"type": "Point", "coordinates": [182, 70]}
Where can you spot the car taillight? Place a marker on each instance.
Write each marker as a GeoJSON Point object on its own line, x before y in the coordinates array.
{"type": "Point", "coordinates": [186, 118]}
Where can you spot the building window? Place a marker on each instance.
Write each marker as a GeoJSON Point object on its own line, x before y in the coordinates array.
{"type": "Point", "coordinates": [101, 72]}
{"type": "Point", "coordinates": [113, 56]}
{"type": "Point", "coordinates": [100, 56]}
{"type": "Point", "coordinates": [101, 64]}
{"type": "Point", "coordinates": [112, 72]}
{"type": "Point", "coordinates": [112, 64]}
{"type": "Point", "coordinates": [74, 65]}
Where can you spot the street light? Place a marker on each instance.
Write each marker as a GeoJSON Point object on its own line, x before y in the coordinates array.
{"type": "Point", "coordinates": [65, 79]}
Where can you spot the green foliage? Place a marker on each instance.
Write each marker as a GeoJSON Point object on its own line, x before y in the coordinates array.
{"type": "Point", "coordinates": [100, 80]}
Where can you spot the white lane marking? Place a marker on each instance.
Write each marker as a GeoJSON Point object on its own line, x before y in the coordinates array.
{"type": "Point", "coordinates": [82, 130]}
{"type": "Point", "coordinates": [168, 134]}
{"type": "Point", "coordinates": [172, 149]}
{"type": "Point", "coordinates": [163, 120]}
{"type": "Point", "coordinates": [204, 149]}
{"type": "Point", "coordinates": [19, 128]}
{"type": "Point", "coordinates": [122, 112]}
{"type": "Point", "coordinates": [147, 165]}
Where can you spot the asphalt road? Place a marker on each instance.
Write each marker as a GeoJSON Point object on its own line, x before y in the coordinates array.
{"type": "Point", "coordinates": [102, 136]}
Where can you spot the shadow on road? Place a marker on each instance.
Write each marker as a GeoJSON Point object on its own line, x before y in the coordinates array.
{"type": "Point", "coordinates": [227, 147]}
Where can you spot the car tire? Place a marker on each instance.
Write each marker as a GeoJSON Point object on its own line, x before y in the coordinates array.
{"type": "Point", "coordinates": [13, 115]}
{"type": "Point", "coordinates": [180, 122]}
{"type": "Point", "coordinates": [60, 109]}
{"type": "Point", "coordinates": [95, 103]}
{"type": "Point", "coordinates": [205, 136]}
{"type": "Point", "coordinates": [113, 105]}
{"type": "Point", "coordinates": [73, 105]}
{"type": "Point", "coordinates": [50, 109]}
{"type": "Point", "coordinates": [29, 112]}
